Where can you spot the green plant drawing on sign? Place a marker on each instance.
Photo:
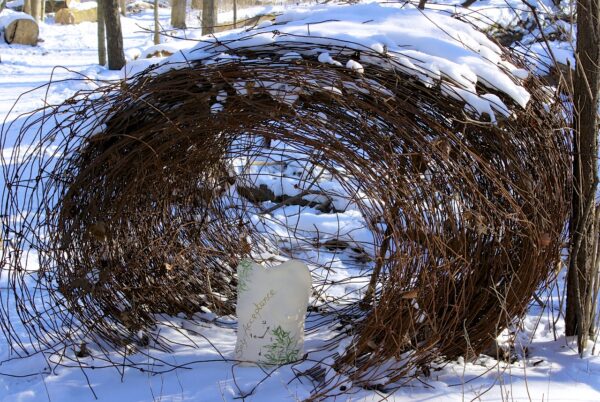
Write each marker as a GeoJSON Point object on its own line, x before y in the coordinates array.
{"type": "Point", "coordinates": [244, 270]}
{"type": "Point", "coordinates": [283, 349]}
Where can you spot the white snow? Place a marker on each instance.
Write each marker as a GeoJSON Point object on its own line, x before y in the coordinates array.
{"type": "Point", "coordinates": [326, 58]}
{"type": "Point", "coordinates": [429, 45]}
{"type": "Point", "coordinates": [355, 66]}
{"type": "Point", "coordinates": [7, 16]}
{"type": "Point", "coordinates": [88, 5]}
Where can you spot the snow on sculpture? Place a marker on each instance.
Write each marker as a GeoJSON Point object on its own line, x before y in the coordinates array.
{"type": "Point", "coordinates": [271, 309]}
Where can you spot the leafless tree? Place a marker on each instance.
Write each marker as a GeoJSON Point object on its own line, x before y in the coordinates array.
{"type": "Point", "coordinates": [235, 13]}
{"type": "Point", "coordinates": [156, 24]}
{"type": "Point", "coordinates": [582, 280]}
{"type": "Point", "coordinates": [101, 35]}
{"type": "Point", "coordinates": [209, 16]}
{"type": "Point", "coordinates": [114, 35]}
{"type": "Point", "coordinates": [178, 14]}
{"type": "Point", "coordinates": [36, 9]}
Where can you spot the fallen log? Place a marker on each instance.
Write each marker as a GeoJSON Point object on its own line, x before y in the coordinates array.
{"type": "Point", "coordinates": [77, 15]}
{"type": "Point", "coordinates": [19, 28]}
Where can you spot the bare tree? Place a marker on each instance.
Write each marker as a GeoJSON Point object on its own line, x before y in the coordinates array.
{"type": "Point", "coordinates": [114, 35]}
{"type": "Point", "coordinates": [101, 35]}
{"type": "Point", "coordinates": [235, 13]}
{"type": "Point", "coordinates": [582, 280]}
{"type": "Point", "coordinates": [178, 14]}
{"type": "Point", "coordinates": [209, 16]}
{"type": "Point", "coordinates": [36, 9]}
{"type": "Point", "coordinates": [156, 24]}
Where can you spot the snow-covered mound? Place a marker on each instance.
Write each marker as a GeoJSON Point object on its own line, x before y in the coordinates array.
{"type": "Point", "coordinates": [433, 47]}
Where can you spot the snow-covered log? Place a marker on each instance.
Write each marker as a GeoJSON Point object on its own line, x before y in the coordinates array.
{"type": "Point", "coordinates": [19, 28]}
{"type": "Point", "coordinates": [138, 7]}
{"type": "Point", "coordinates": [245, 23]}
{"type": "Point", "coordinates": [77, 15]}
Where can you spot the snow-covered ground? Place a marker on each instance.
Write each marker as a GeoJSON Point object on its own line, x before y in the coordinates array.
{"type": "Point", "coordinates": [547, 368]}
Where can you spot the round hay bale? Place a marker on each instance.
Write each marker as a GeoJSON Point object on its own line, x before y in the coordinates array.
{"type": "Point", "coordinates": [164, 182]}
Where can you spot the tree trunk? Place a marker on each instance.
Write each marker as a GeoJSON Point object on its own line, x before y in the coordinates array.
{"type": "Point", "coordinates": [156, 24]}
{"type": "Point", "coordinates": [123, 7]}
{"type": "Point", "coordinates": [197, 4]}
{"type": "Point", "coordinates": [114, 36]}
{"type": "Point", "coordinates": [36, 9]}
{"type": "Point", "coordinates": [234, 14]}
{"type": "Point", "coordinates": [27, 7]}
{"type": "Point", "coordinates": [101, 35]}
{"type": "Point", "coordinates": [178, 14]}
{"type": "Point", "coordinates": [209, 16]}
{"type": "Point", "coordinates": [582, 279]}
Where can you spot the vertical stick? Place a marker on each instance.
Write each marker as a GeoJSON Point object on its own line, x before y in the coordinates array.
{"type": "Point", "coordinates": [101, 35]}
{"type": "Point", "coordinates": [378, 265]}
{"type": "Point", "coordinates": [209, 19]}
{"type": "Point", "coordinates": [156, 24]}
{"type": "Point", "coordinates": [234, 14]}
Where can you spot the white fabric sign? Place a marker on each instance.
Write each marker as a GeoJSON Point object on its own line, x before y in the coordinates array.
{"type": "Point", "coordinates": [271, 309]}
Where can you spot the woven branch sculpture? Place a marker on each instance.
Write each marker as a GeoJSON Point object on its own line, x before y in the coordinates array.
{"type": "Point", "coordinates": [145, 195]}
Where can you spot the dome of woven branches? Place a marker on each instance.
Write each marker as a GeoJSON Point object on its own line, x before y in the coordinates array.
{"type": "Point", "coordinates": [444, 216]}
